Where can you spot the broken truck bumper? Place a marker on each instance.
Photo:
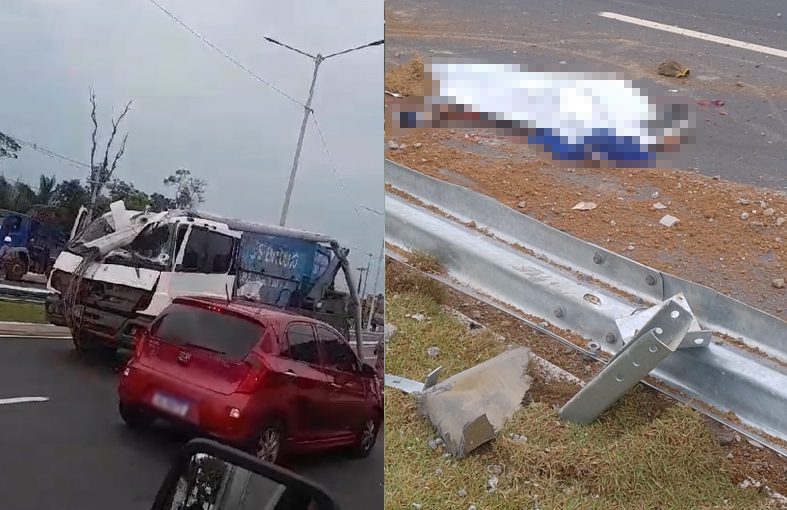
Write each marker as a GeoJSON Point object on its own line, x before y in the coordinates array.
{"type": "Point", "coordinates": [116, 329]}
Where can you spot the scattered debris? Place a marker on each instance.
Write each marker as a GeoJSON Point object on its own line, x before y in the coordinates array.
{"type": "Point", "coordinates": [769, 212]}
{"type": "Point", "coordinates": [612, 223]}
{"type": "Point", "coordinates": [434, 444]}
{"type": "Point", "coordinates": [654, 195]}
{"type": "Point", "coordinates": [743, 201]}
{"type": "Point", "coordinates": [630, 247]}
{"type": "Point", "coordinates": [418, 317]}
{"type": "Point", "coordinates": [711, 102]}
{"type": "Point", "coordinates": [755, 444]}
{"type": "Point", "coordinates": [669, 221]}
{"type": "Point", "coordinates": [491, 484]}
{"type": "Point", "coordinates": [417, 145]}
{"type": "Point", "coordinates": [517, 438]}
{"type": "Point", "coordinates": [780, 221]}
{"type": "Point", "coordinates": [672, 69]}
{"type": "Point", "coordinates": [744, 216]}
{"type": "Point", "coordinates": [393, 94]}
{"type": "Point", "coordinates": [494, 469]}
{"type": "Point", "coordinates": [389, 332]}
{"type": "Point", "coordinates": [433, 352]}
{"type": "Point", "coordinates": [461, 493]}
{"type": "Point", "coordinates": [469, 408]}
{"type": "Point", "coordinates": [657, 206]}
{"type": "Point", "coordinates": [393, 145]}
{"type": "Point", "coordinates": [778, 283]}
{"type": "Point", "coordinates": [521, 204]}
{"type": "Point", "coordinates": [584, 206]}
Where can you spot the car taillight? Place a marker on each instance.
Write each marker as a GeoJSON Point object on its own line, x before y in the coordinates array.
{"type": "Point", "coordinates": [254, 375]}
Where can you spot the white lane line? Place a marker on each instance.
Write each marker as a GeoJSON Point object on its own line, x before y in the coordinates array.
{"type": "Point", "coordinates": [22, 400]}
{"type": "Point", "coordinates": [697, 35]}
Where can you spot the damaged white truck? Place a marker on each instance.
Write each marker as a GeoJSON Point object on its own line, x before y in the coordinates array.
{"type": "Point", "coordinates": [121, 270]}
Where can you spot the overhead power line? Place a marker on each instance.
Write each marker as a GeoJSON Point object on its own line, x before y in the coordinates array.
{"type": "Point", "coordinates": [47, 152]}
{"type": "Point", "coordinates": [224, 53]}
{"type": "Point", "coordinates": [339, 175]}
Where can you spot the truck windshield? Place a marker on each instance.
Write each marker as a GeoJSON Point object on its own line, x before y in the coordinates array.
{"type": "Point", "coordinates": [228, 334]}
{"type": "Point", "coordinates": [98, 228]}
{"type": "Point", "coordinates": [154, 242]}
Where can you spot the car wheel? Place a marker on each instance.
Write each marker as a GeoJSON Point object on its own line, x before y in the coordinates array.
{"type": "Point", "coordinates": [135, 417]}
{"type": "Point", "coordinates": [268, 446]}
{"type": "Point", "coordinates": [367, 438]}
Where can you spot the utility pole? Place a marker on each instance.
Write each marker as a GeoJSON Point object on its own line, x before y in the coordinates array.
{"type": "Point", "coordinates": [360, 279]}
{"type": "Point", "coordinates": [368, 265]}
{"type": "Point", "coordinates": [374, 291]}
{"type": "Point", "coordinates": [307, 109]}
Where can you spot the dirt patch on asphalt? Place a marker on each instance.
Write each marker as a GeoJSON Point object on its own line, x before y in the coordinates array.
{"type": "Point", "coordinates": [731, 237]}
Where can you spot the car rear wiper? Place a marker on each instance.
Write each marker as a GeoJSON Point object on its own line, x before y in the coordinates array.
{"type": "Point", "coordinates": [204, 348]}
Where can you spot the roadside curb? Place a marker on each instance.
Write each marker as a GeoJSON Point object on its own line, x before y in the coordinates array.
{"type": "Point", "coordinates": [26, 329]}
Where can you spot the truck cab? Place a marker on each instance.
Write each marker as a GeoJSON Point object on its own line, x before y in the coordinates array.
{"type": "Point", "coordinates": [121, 270]}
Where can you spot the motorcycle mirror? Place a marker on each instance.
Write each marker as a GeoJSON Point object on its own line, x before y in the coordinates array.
{"type": "Point", "coordinates": [207, 474]}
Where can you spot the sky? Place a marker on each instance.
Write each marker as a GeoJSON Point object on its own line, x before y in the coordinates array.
{"type": "Point", "coordinates": [193, 108]}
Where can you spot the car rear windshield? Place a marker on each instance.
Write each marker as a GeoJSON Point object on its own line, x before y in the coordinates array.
{"type": "Point", "coordinates": [231, 336]}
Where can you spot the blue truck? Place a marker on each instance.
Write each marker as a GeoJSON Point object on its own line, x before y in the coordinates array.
{"type": "Point", "coordinates": [36, 240]}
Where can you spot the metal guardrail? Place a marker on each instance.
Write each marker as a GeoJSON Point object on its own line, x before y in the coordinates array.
{"type": "Point", "coordinates": [26, 294]}
{"type": "Point", "coordinates": [722, 377]}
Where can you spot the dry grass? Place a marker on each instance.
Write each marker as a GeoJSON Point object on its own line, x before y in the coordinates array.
{"type": "Point", "coordinates": [642, 453]}
{"type": "Point", "coordinates": [425, 262]}
{"type": "Point", "coordinates": [412, 282]}
{"type": "Point", "coordinates": [406, 79]}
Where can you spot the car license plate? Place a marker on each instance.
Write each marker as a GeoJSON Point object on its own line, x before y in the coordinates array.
{"type": "Point", "coordinates": [170, 404]}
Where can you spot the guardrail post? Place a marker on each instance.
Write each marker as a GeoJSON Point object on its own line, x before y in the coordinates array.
{"type": "Point", "coordinates": [659, 338]}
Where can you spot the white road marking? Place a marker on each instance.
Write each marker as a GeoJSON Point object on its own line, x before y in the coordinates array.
{"type": "Point", "coordinates": [22, 400]}
{"type": "Point", "coordinates": [697, 35]}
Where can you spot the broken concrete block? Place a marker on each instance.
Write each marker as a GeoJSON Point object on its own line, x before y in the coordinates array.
{"type": "Point", "coordinates": [669, 221]}
{"type": "Point", "coordinates": [471, 407]}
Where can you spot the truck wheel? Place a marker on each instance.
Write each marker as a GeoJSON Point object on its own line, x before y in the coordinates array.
{"type": "Point", "coordinates": [15, 270]}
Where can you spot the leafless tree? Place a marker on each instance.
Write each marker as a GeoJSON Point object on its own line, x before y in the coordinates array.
{"type": "Point", "coordinates": [102, 172]}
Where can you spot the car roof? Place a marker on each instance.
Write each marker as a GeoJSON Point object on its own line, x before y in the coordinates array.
{"type": "Point", "coordinates": [258, 311]}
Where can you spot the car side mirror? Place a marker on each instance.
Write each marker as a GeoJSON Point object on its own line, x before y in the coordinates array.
{"type": "Point", "coordinates": [207, 474]}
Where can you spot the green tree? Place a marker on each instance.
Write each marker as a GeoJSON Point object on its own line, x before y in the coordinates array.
{"type": "Point", "coordinates": [24, 197]}
{"type": "Point", "coordinates": [189, 191]}
{"type": "Point", "coordinates": [8, 146]}
{"type": "Point", "coordinates": [46, 190]}
{"type": "Point", "coordinates": [133, 198]}
{"type": "Point", "coordinates": [71, 195]}
{"type": "Point", "coordinates": [160, 203]}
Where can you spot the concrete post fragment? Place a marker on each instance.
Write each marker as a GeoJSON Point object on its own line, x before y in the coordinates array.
{"type": "Point", "coordinates": [471, 407]}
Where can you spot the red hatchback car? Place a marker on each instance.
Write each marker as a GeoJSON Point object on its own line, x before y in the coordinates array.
{"type": "Point", "coordinates": [255, 377]}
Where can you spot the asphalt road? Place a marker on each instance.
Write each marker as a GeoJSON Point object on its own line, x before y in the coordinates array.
{"type": "Point", "coordinates": [745, 145]}
{"type": "Point", "coordinates": [73, 452]}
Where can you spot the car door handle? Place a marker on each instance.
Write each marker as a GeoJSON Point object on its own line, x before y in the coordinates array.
{"type": "Point", "coordinates": [334, 385]}
{"type": "Point", "coordinates": [290, 373]}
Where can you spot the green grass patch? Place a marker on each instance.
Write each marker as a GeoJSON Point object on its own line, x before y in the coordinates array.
{"type": "Point", "coordinates": [641, 454]}
{"type": "Point", "coordinates": [14, 311]}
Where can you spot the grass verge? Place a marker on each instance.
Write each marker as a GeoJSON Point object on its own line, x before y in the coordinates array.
{"type": "Point", "coordinates": [14, 311]}
{"type": "Point", "coordinates": [640, 454]}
